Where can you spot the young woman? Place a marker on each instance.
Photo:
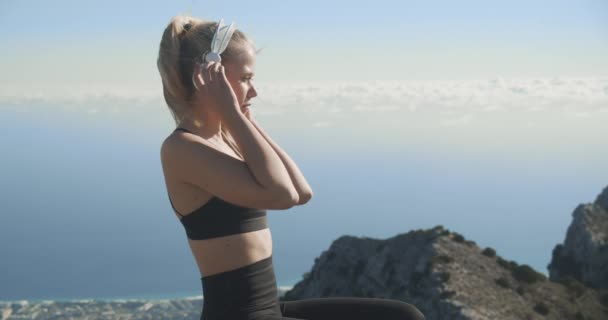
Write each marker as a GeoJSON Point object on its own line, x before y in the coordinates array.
{"type": "Point", "coordinates": [223, 171]}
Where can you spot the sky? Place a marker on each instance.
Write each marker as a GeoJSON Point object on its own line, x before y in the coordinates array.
{"type": "Point", "coordinates": [116, 42]}
{"type": "Point", "coordinates": [482, 113]}
{"type": "Point", "coordinates": [324, 60]}
{"type": "Point", "coordinates": [453, 74]}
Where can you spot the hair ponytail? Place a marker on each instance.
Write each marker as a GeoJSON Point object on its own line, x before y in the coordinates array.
{"type": "Point", "coordinates": [168, 64]}
{"type": "Point", "coordinates": [183, 42]}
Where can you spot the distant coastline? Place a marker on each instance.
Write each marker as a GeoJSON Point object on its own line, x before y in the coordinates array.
{"type": "Point", "coordinates": [144, 297]}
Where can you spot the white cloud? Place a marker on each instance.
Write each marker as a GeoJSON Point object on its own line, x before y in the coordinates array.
{"type": "Point", "coordinates": [457, 122]}
{"type": "Point", "coordinates": [460, 99]}
{"type": "Point", "coordinates": [80, 98]}
{"type": "Point", "coordinates": [322, 124]}
{"type": "Point", "coordinates": [582, 114]}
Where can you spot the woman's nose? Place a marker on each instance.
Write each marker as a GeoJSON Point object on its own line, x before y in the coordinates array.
{"type": "Point", "coordinates": [252, 92]}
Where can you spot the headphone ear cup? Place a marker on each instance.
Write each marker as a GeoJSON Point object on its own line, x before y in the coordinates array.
{"type": "Point", "coordinates": [213, 56]}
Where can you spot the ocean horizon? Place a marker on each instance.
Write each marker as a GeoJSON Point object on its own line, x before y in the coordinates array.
{"type": "Point", "coordinates": [133, 297]}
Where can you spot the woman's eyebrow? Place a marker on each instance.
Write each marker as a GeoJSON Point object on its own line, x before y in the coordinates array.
{"type": "Point", "coordinates": [248, 74]}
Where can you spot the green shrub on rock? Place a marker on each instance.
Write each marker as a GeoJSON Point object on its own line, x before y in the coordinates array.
{"type": "Point", "coordinates": [438, 227]}
{"type": "Point", "coordinates": [509, 265]}
{"type": "Point", "coordinates": [489, 252]}
{"type": "Point", "coordinates": [574, 287]}
{"type": "Point", "coordinates": [541, 308]}
{"type": "Point", "coordinates": [525, 273]}
{"type": "Point", "coordinates": [458, 237]}
{"type": "Point", "coordinates": [503, 283]}
{"type": "Point", "coordinates": [564, 264]}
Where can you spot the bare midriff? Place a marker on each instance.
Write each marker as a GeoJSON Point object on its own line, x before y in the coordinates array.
{"type": "Point", "coordinates": [231, 252]}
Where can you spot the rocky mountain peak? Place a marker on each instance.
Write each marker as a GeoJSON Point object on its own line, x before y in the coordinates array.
{"type": "Point", "coordinates": [446, 277]}
{"type": "Point", "coordinates": [602, 200]}
{"type": "Point", "coordinates": [584, 253]}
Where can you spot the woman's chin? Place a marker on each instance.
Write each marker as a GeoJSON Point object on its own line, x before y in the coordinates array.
{"type": "Point", "coordinates": [246, 111]}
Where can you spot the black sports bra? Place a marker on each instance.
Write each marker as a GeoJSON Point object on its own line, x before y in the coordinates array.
{"type": "Point", "coordinates": [218, 218]}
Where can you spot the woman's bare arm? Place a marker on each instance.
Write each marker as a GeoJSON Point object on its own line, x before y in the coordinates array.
{"type": "Point", "coordinates": [263, 162]}
{"type": "Point", "coordinates": [304, 191]}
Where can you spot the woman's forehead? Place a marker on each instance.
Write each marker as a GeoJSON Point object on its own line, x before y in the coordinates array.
{"type": "Point", "coordinates": [245, 56]}
{"type": "Point", "coordinates": [244, 61]}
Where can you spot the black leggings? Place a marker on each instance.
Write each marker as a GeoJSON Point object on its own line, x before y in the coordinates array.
{"type": "Point", "coordinates": [336, 308]}
{"type": "Point", "coordinates": [250, 293]}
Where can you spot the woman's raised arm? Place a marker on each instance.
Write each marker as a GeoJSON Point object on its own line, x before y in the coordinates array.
{"type": "Point", "coordinates": [297, 178]}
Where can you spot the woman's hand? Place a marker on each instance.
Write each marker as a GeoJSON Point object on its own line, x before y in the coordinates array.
{"type": "Point", "coordinates": [248, 114]}
{"type": "Point", "coordinates": [213, 89]}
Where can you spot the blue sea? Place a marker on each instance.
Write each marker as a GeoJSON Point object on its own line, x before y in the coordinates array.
{"type": "Point", "coordinates": [86, 215]}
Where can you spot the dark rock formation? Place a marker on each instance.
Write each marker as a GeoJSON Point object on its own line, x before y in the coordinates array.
{"type": "Point", "coordinates": [446, 277]}
{"type": "Point", "coordinates": [602, 199]}
{"type": "Point", "coordinates": [584, 254]}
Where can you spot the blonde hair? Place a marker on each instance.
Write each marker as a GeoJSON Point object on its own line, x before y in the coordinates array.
{"type": "Point", "coordinates": [183, 43]}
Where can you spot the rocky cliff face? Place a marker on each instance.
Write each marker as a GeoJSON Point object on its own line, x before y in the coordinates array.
{"type": "Point", "coordinates": [584, 254]}
{"type": "Point", "coordinates": [446, 277]}
{"type": "Point", "coordinates": [602, 199]}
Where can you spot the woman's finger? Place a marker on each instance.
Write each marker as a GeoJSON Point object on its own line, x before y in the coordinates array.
{"type": "Point", "coordinates": [197, 81]}
{"type": "Point", "coordinates": [214, 71]}
{"type": "Point", "coordinates": [205, 73]}
{"type": "Point", "coordinates": [217, 69]}
{"type": "Point", "coordinates": [208, 70]}
{"type": "Point", "coordinates": [222, 74]}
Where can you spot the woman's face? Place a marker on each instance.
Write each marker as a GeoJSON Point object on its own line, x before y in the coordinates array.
{"type": "Point", "coordinates": [239, 72]}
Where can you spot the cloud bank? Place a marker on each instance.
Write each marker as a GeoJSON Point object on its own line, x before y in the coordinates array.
{"type": "Point", "coordinates": [451, 103]}
{"type": "Point", "coordinates": [528, 117]}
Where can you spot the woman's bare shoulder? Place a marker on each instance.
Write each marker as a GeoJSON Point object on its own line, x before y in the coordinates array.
{"type": "Point", "coordinates": [187, 158]}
